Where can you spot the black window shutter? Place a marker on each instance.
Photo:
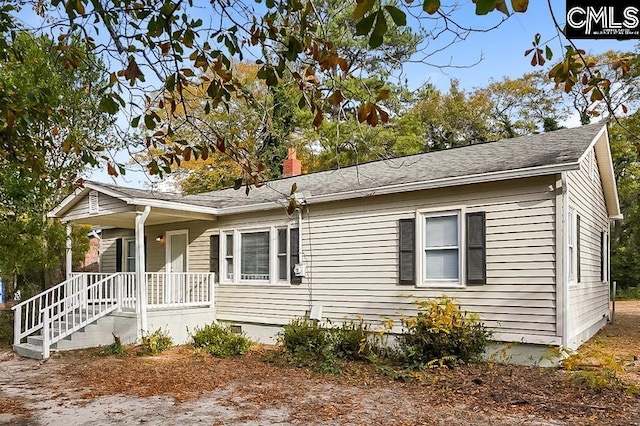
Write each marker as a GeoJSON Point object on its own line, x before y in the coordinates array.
{"type": "Point", "coordinates": [118, 254]}
{"type": "Point", "coordinates": [406, 251]}
{"type": "Point", "coordinates": [602, 254]}
{"type": "Point", "coordinates": [476, 249]}
{"type": "Point", "coordinates": [578, 245]}
{"type": "Point", "coordinates": [214, 255]}
{"type": "Point", "coordinates": [294, 254]}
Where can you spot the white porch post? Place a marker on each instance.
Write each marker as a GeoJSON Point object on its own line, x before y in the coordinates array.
{"type": "Point", "coordinates": [69, 253]}
{"type": "Point", "coordinates": [141, 287]}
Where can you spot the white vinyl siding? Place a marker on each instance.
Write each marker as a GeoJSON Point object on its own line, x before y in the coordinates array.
{"type": "Point", "coordinates": [350, 250]}
{"type": "Point", "coordinates": [105, 205]}
{"type": "Point", "coordinates": [588, 301]}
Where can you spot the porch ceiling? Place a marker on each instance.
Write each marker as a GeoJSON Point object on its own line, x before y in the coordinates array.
{"type": "Point", "coordinates": [158, 216]}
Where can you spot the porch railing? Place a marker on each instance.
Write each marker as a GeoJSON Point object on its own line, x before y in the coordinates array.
{"type": "Point", "coordinates": [85, 297]}
{"type": "Point", "coordinates": [175, 289]}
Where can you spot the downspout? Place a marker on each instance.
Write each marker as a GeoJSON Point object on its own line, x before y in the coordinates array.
{"type": "Point", "coordinates": [141, 287]}
{"type": "Point", "coordinates": [565, 261]}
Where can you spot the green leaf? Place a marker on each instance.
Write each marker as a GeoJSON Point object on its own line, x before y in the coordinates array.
{"type": "Point", "coordinates": [237, 184]}
{"type": "Point", "coordinates": [520, 5]}
{"type": "Point", "coordinates": [149, 122]}
{"type": "Point", "coordinates": [398, 16]}
{"type": "Point", "coordinates": [380, 29]}
{"type": "Point", "coordinates": [431, 6]}
{"type": "Point", "coordinates": [108, 105]}
{"type": "Point", "coordinates": [364, 26]}
{"type": "Point", "coordinates": [135, 122]}
{"type": "Point", "coordinates": [375, 41]}
{"type": "Point", "coordinates": [485, 6]}
{"type": "Point", "coordinates": [548, 53]}
{"type": "Point", "coordinates": [362, 8]}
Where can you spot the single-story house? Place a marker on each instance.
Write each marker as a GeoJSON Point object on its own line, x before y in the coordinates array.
{"type": "Point", "coordinates": [515, 230]}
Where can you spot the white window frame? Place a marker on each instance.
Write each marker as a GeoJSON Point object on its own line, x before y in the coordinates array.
{"type": "Point", "coordinates": [572, 249]}
{"type": "Point", "coordinates": [237, 256]}
{"type": "Point", "coordinates": [421, 216]}
{"type": "Point", "coordinates": [224, 278]}
{"type": "Point", "coordinates": [125, 253]}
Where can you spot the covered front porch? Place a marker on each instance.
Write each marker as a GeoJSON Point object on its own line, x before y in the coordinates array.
{"type": "Point", "coordinates": [123, 298]}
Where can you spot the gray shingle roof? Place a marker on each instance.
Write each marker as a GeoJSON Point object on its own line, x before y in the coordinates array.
{"type": "Point", "coordinates": [552, 148]}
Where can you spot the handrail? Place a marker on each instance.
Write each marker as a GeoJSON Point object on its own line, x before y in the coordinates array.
{"type": "Point", "coordinates": [33, 306]}
{"type": "Point", "coordinates": [79, 308]}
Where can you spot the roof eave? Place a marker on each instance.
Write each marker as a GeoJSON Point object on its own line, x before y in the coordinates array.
{"type": "Point", "coordinates": [414, 186]}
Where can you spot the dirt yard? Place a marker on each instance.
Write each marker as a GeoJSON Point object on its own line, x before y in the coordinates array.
{"type": "Point", "coordinates": [183, 388]}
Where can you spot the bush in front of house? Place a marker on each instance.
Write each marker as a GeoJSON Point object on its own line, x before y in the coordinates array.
{"type": "Point", "coordinates": [6, 327]}
{"type": "Point", "coordinates": [441, 334]}
{"type": "Point", "coordinates": [308, 343]}
{"type": "Point", "coordinates": [156, 342]}
{"type": "Point", "coordinates": [220, 341]}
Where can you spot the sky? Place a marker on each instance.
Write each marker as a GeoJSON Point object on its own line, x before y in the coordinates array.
{"type": "Point", "coordinates": [500, 53]}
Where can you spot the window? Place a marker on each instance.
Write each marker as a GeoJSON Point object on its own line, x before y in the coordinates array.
{"type": "Point", "coordinates": [442, 248]}
{"type": "Point", "coordinates": [227, 268]}
{"type": "Point", "coordinates": [604, 256]}
{"type": "Point", "coordinates": [263, 255]}
{"type": "Point", "coordinates": [254, 256]}
{"type": "Point", "coordinates": [573, 244]}
{"type": "Point", "coordinates": [130, 255]}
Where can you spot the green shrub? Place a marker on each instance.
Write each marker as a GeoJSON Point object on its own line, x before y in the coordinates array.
{"type": "Point", "coordinates": [116, 348]}
{"type": "Point", "coordinates": [352, 340]}
{"type": "Point", "coordinates": [156, 342]}
{"type": "Point", "coordinates": [441, 334]}
{"type": "Point", "coordinates": [307, 343]}
{"type": "Point", "coordinates": [629, 293]}
{"type": "Point", "coordinates": [305, 339]}
{"type": "Point", "coordinates": [6, 327]}
{"type": "Point", "coordinates": [220, 341]}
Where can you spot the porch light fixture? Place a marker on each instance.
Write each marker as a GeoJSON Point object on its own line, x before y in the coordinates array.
{"type": "Point", "coordinates": [160, 238]}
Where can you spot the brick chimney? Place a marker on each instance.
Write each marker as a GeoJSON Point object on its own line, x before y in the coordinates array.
{"type": "Point", "coordinates": [291, 166]}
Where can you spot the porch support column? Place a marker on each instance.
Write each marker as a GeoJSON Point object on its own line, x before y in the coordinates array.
{"type": "Point", "coordinates": [141, 281]}
{"type": "Point", "coordinates": [68, 253]}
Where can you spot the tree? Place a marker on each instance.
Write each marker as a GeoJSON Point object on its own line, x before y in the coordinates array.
{"type": "Point", "coordinates": [625, 234]}
{"type": "Point", "coordinates": [524, 105]}
{"type": "Point", "coordinates": [49, 108]}
{"type": "Point", "coordinates": [165, 42]}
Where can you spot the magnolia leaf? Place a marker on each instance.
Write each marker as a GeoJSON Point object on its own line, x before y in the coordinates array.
{"type": "Point", "coordinates": [111, 170]}
{"type": "Point", "coordinates": [383, 94]}
{"type": "Point", "coordinates": [294, 188]}
{"type": "Point", "coordinates": [364, 26]}
{"type": "Point", "coordinates": [485, 6]}
{"type": "Point", "coordinates": [431, 6]}
{"type": "Point", "coordinates": [520, 5]}
{"type": "Point", "coordinates": [336, 98]}
{"type": "Point", "coordinates": [502, 7]}
{"type": "Point", "coordinates": [375, 41]}
{"type": "Point", "coordinates": [362, 8]}
{"type": "Point", "coordinates": [548, 53]}
{"type": "Point", "coordinates": [317, 119]}
{"type": "Point", "coordinates": [237, 184]}
{"type": "Point", "coordinates": [398, 16]}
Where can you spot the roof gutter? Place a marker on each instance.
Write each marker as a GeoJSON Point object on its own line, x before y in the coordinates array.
{"type": "Point", "coordinates": [414, 186]}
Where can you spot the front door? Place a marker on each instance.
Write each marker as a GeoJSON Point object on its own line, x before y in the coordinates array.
{"type": "Point", "coordinates": [177, 244]}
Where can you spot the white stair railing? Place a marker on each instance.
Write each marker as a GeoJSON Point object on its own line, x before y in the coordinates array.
{"type": "Point", "coordinates": [28, 313]}
{"type": "Point", "coordinates": [79, 309]}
